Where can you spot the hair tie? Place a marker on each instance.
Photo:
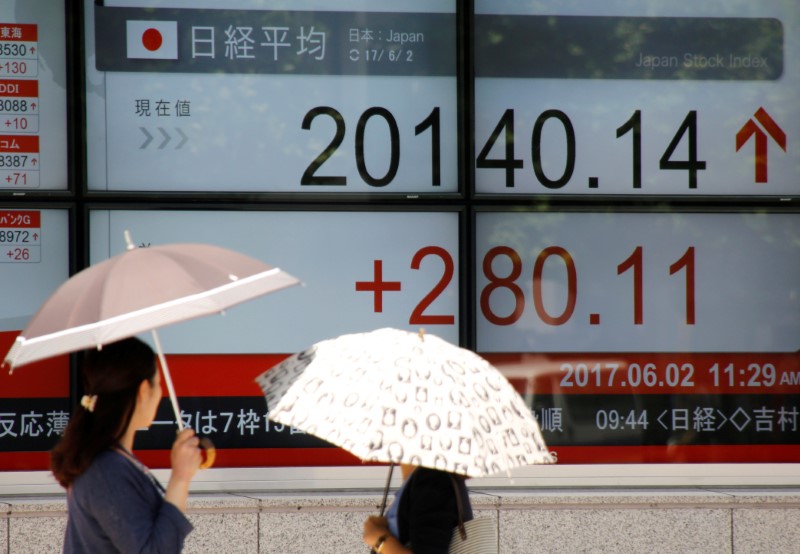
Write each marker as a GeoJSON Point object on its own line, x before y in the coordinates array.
{"type": "Point", "coordinates": [89, 401]}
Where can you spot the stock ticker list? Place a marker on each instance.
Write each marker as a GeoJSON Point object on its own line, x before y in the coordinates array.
{"type": "Point", "coordinates": [19, 106]}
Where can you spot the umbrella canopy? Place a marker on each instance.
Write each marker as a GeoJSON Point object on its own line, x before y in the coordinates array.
{"type": "Point", "coordinates": [398, 397]}
{"type": "Point", "coordinates": [139, 290]}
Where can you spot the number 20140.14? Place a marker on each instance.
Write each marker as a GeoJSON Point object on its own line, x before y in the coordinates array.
{"type": "Point", "coordinates": [633, 263]}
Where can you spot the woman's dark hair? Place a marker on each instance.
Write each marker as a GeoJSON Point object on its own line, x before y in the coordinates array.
{"type": "Point", "coordinates": [112, 374]}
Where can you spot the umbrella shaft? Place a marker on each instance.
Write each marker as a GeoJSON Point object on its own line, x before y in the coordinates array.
{"type": "Point", "coordinates": [168, 380]}
{"type": "Point", "coordinates": [386, 489]}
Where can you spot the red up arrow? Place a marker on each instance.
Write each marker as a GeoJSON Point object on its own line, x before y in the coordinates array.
{"type": "Point", "coordinates": [749, 129]}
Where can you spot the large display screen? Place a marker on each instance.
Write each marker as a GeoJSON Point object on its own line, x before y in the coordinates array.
{"type": "Point", "coordinates": [272, 96]}
{"type": "Point", "coordinates": [33, 96]}
{"type": "Point", "coordinates": [34, 400]}
{"type": "Point", "coordinates": [361, 270]}
{"type": "Point", "coordinates": [647, 337]}
{"type": "Point", "coordinates": [637, 98]}
{"type": "Point", "coordinates": [596, 196]}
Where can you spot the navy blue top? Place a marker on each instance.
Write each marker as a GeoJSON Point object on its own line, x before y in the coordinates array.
{"type": "Point", "coordinates": [427, 512]}
{"type": "Point", "coordinates": [115, 507]}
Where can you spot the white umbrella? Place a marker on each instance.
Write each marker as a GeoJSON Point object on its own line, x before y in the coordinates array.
{"type": "Point", "coordinates": [398, 397]}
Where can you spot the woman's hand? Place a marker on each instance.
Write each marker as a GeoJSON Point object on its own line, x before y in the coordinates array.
{"type": "Point", "coordinates": [186, 456]}
{"type": "Point", "coordinates": [185, 460]}
{"type": "Point", "coordinates": [374, 527]}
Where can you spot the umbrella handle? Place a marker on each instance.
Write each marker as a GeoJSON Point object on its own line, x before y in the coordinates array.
{"type": "Point", "coordinates": [385, 496]}
{"type": "Point", "coordinates": [205, 442]}
{"type": "Point", "coordinates": [210, 450]}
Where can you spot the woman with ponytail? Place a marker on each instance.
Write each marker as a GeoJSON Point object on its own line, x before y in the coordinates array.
{"type": "Point", "coordinates": [114, 503]}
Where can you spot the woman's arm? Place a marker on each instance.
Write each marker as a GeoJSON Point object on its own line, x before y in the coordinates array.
{"type": "Point", "coordinates": [428, 514]}
{"type": "Point", "coordinates": [185, 460]}
{"type": "Point", "coordinates": [120, 506]}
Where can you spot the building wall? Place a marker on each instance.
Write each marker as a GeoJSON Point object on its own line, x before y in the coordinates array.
{"type": "Point", "coordinates": [718, 520]}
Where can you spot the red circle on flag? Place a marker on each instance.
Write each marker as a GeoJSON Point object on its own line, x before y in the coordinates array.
{"type": "Point", "coordinates": [152, 39]}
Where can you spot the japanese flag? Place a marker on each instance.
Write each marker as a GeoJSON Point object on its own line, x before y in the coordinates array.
{"type": "Point", "coordinates": [152, 40]}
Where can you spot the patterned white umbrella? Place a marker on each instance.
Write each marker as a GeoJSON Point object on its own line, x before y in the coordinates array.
{"type": "Point", "coordinates": [394, 396]}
